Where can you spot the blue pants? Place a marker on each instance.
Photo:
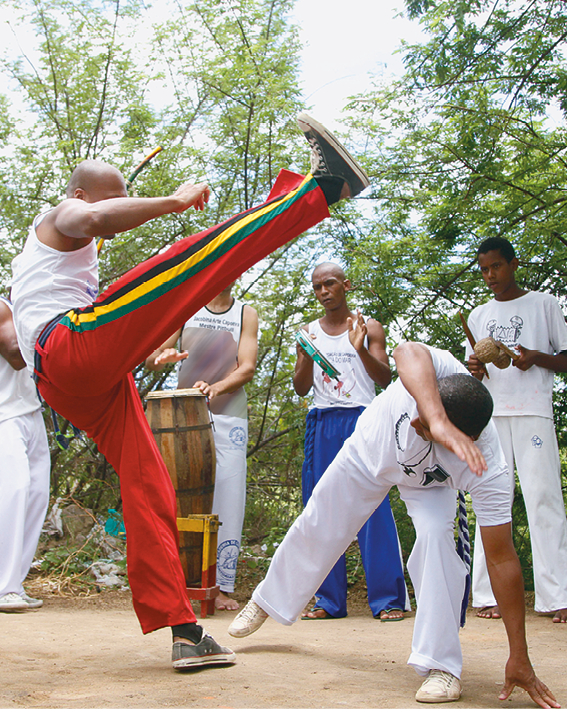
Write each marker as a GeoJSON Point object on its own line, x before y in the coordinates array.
{"type": "Point", "coordinates": [326, 431]}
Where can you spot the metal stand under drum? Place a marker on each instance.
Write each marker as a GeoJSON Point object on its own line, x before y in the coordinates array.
{"type": "Point", "coordinates": [208, 526]}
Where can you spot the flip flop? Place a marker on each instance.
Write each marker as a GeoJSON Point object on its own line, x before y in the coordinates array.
{"type": "Point", "coordinates": [317, 617]}
{"type": "Point", "coordinates": [390, 620]}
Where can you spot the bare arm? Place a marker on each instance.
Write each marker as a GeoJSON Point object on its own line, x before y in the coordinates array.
{"type": "Point", "coordinates": [507, 584]}
{"type": "Point", "coordinates": [374, 358]}
{"type": "Point", "coordinates": [247, 358]}
{"type": "Point", "coordinates": [303, 375]}
{"type": "Point", "coordinates": [77, 220]}
{"type": "Point", "coordinates": [9, 348]}
{"type": "Point", "coordinates": [416, 370]}
{"type": "Point", "coordinates": [165, 354]}
{"type": "Point", "coordinates": [529, 358]}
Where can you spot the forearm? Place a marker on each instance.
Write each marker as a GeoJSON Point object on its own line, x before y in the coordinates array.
{"type": "Point", "coordinates": [508, 587]}
{"type": "Point", "coordinates": [112, 216]}
{"type": "Point", "coordinates": [235, 380]}
{"type": "Point", "coordinates": [151, 361]}
{"type": "Point", "coordinates": [377, 370]}
{"type": "Point", "coordinates": [415, 369]}
{"type": "Point", "coordinates": [303, 376]}
{"type": "Point", "coordinates": [507, 584]}
{"type": "Point", "coordinates": [556, 363]}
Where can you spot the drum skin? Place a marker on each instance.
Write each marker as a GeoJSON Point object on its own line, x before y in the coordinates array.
{"type": "Point", "coordinates": [182, 428]}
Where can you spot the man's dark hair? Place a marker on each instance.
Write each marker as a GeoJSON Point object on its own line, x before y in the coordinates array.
{"type": "Point", "coordinates": [467, 402]}
{"type": "Point", "coordinates": [497, 243]}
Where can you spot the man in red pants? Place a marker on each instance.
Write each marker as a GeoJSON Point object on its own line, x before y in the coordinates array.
{"type": "Point", "coordinates": [82, 348]}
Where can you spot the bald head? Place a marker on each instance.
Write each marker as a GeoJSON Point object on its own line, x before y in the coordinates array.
{"type": "Point", "coordinates": [328, 269]}
{"type": "Point", "coordinates": [330, 286]}
{"type": "Point", "coordinates": [94, 180]}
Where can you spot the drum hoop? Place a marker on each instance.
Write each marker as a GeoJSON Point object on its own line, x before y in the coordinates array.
{"type": "Point", "coordinates": [174, 393]}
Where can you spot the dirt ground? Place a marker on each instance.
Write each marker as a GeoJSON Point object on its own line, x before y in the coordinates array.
{"type": "Point", "coordinates": [89, 652]}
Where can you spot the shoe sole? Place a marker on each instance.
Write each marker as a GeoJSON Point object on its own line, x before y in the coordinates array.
{"type": "Point", "coordinates": [187, 662]}
{"type": "Point", "coordinates": [15, 609]}
{"type": "Point", "coordinates": [307, 124]}
{"type": "Point", "coordinates": [437, 700]}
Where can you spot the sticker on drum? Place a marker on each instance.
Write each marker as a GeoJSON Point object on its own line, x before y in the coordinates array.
{"type": "Point", "coordinates": [227, 558]}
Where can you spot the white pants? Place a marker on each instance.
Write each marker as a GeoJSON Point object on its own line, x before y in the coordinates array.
{"type": "Point", "coordinates": [231, 439]}
{"type": "Point", "coordinates": [342, 501]}
{"type": "Point", "coordinates": [24, 495]}
{"type": "Point", "coordinates": [530, 442]}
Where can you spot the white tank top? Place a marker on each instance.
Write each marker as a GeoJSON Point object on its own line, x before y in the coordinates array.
{"type": "Point", "coordinates": [17, 393]}
{"type": "Point", "coordinates": [355, 387]}
{"type": "Point", "coordinates": [212, 340]}
{"type": "Point", "coordinates": [47, 282]}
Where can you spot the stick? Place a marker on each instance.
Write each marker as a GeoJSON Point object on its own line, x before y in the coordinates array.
{"type": "Point", "coordinates": [509, 352]}
{"type": "Point", "coordinates": [470, 337]}
{"type": "Point", "coordinates": [131, 179]}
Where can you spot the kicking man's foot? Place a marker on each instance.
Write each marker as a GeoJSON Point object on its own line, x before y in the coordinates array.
{"type": "Point", "coordinates": [194, 647]}
{"type": "Point", "coordinates": [439, 687]}
{"type": "Point", "coordinates": [250, 618]}
{"type": "Point", "coordinates": [560, 616]}
{"type": "Point", "coordinates": [225, 603]}
{"type": "Point", "coordinates": [489, 612]}
{"type": "Point", "coordinates": [332, 162]}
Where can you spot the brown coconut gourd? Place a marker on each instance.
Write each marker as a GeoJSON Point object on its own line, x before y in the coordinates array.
{"type": "Point", "coordinates": [487, 350]}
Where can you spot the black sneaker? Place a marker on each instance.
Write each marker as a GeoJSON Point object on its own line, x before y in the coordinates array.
{"type": "Point", "coordinates": [206, 652]}
{"type": "Point", "coordinates": [329, 156]}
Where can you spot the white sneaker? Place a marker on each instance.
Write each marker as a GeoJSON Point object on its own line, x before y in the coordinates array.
{"type": "Point", "coordinates": [247, 621]}
{"type": "Point", "coordinates": [439, 687]}
{"type": "Point", "coordinates": [12, 602]}
{"type": "Point", "coordinates": [32, 602]}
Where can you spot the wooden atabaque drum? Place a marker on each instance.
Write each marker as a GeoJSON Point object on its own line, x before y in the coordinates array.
{"type": "Point", "coordinates": [182, 427]}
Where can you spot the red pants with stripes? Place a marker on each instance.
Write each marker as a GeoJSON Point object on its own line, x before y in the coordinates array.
{"type": "Point", "coordinates": [88, 358]}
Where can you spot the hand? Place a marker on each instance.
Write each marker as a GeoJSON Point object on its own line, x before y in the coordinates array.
{"type": "Point", "coordinates": [476, 367]}
{"type": "Point", "coordinates": [527, 358]}
{"type": "Point", "coordinates": [192, 196]}
{"type": "Point", "coordinates": [463, 446]}
{"type": "Point", "coordinates": [522, 675]}
{"type": "Point", "coordinates": [170, 355]}
{"type": "Point", "coordinates": [209, 390]}
{"type": "Point", "coordinates": [356, 336]}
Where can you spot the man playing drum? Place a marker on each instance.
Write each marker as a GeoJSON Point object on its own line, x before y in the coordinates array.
{"type": "Point", "coordinates": [83, 346]}
{"type": "Point", "coordinates": [219, 349]}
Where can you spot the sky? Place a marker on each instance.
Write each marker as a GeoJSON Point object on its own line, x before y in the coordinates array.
{"type": "Point", "coordinates": [345, 41]}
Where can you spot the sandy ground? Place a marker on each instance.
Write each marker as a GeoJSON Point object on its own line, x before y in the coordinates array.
{"type": "Point", "coordinates": [87, 653]}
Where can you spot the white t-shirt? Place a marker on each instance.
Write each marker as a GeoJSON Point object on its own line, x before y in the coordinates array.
{"type": "Point", "coordinates": [535, 321]}
{"type": "Point", "coordinates": [354, 386]}
{"type": "Point", "coordinates": [391, 449]}
{"type": "Point", "coordinates": [17, 392]}
{"type": "Point", "coordinates": [46, 283]}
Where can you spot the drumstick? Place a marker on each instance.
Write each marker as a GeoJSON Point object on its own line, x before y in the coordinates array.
{"type": "Point", "coordinates": [470, 337]}
{"type": "Point", "coordinates": [131, 179]}
{"type": "Point", "coordinates": [509, 352]}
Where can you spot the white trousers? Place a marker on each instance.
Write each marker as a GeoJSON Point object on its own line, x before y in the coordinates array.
{"type": "Point", "coordinates": [231, 439]}
{"type": "Point", "coordinates": [342, 501]}
{"type": "Point", "coordinates": [24, 496]}
{"type": "Point", "coordinates": [530, 442]}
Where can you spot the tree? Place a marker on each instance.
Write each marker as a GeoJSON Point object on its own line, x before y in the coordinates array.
{"type": "Point", "coordinates": [85, 86]}
{"type": "Point", "coordinates": [463, 146]}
